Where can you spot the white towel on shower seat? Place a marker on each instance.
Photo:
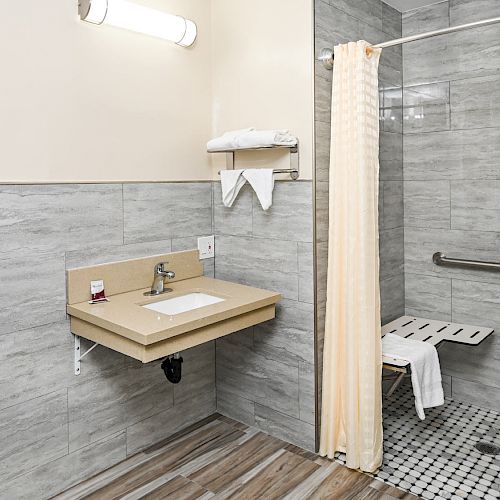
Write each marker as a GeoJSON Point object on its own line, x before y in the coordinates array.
{"type": "Point", "coordinates": [425, 369]}
{"type": "Point", "coordinates": [231, 182]}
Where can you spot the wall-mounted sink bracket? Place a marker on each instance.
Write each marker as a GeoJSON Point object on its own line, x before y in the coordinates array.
{"type": "Point", "coordinates": [78, 353]}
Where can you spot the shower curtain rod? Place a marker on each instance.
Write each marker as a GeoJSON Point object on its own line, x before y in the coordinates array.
{"type": "Point", "coordinates": [326, 55]}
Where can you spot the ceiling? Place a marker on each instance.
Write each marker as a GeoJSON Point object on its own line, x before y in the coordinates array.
{"type": "Point", "coordinates": [404, 5]}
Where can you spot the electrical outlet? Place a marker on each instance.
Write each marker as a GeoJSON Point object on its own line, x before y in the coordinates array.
{"type": "Point", "coordinates": [206, 247]}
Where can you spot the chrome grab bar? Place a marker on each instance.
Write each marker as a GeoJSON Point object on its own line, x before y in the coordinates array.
{"type": "Point", "coordinates": [441, 260]}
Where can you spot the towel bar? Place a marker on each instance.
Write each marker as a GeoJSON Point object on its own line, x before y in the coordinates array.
{"type": "Point", "coordinates": [441, 260]}
{"type": "Point", "coordinates": [294, 159]}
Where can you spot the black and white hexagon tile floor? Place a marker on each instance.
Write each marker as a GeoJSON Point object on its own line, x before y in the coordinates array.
{"type": "Point", "coordinates": [436, 458]}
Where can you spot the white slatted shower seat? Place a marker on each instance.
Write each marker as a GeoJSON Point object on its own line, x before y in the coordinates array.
{"type": "Point", "coordinates": [432, 331]}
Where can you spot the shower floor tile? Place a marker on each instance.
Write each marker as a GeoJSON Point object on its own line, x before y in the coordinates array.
{"type": "Point", "coordinates": [436, 458]}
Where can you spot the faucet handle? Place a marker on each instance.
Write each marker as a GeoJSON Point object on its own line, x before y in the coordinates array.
{"type": "Point", "coordinates": [169, 275]}
{"type": "Point", "coordinates": [160, 271]}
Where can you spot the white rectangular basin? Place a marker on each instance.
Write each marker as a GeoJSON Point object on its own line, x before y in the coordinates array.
{"type": "Point", "coordinates": [184, 303]}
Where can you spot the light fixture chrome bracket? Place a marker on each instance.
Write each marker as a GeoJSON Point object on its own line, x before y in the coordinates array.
{"type": "Point", "coordinates": [84, 7]}
{"type": "Point", "coordinates": [78, 353]}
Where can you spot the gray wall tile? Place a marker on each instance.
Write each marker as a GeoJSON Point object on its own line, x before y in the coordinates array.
{"type": "Point", "coordinates": [475, 102]}
{"type": "Point", "coordinates": [31, 298]}
{"type": "Point", "coordinates": [392, 204]}
{"type": "Point", "coordinates": [428, 297]}
{"type": "Point", "coordinates": [33, 433]}
{"type": "Point", "coordinates": [162, 211]}
{"type": "Point", "coordinates": [236, 220]}
{"type": "Point", "coordinates": [369, 11]}
{"type": "Point", "coordinates": [322, 167]}
{"type": "Point", "coordinates": [454, 155]}
{"type": "Point", "coordinates": [235, 407]}
{"type": "Point", "coordinates": [264, 263]}
{"type": "Point", "coordinates": [427, 204]}
{"type": "Point", "coordinates": [392, 297]}
{"type": "Point", "coordinates": [391, 107]}
{"type": "Point", "coordinates": [391, 20]}
{"type": "Point", "coordinates": [485, 396]}
{"type": "Point", "coordinates": [248, 374]}
{"type": "Point", "coordinates": [391, 156]}
{"type": "Point", "coordinates": [306, 392]}
{"type": "Point", "coordinates": [467, 11]}
{"type": "Point", "coordinates": [60, 217]}
{"type": "Point", "coordinates": [116, 400]}
{"type": "Point", "coordinates": [284, 427]}
{"type": "Point", "coordinates": [58, 475]}
{"type": "Point", "coordinates": [391, 253]}
{"type": "Point", "coordinates": [291, 332]}
{"type": "Point", "coordinates": [306, 272]}
{"type": "Point", "coordinates": [290, 216]}
{"type": "Point", "coordinates": [475, 205]}
{"type": "Point", "coordinates": [162, 425]}
{"type": "Point", "coordinates": [429, 18]}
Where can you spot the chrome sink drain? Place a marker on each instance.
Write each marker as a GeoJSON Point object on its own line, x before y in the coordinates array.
{"type": "Point", "coordinates": [488, 448]}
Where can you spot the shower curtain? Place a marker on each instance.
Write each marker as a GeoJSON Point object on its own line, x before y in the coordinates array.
{"type": "Point", "coordinates": [351, 420]}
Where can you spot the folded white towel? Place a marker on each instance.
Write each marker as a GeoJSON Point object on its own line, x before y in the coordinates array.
{"type": "Point", "coordinates": [227, 140]}
{"type": "Point", "coordinates": [262, 181]}
{"type": "Point", "coordinates": [425, 369]}
{"type": "Point", "coordinates": [231, 182]}
{"type": "Point", "coordinates": [265, 138]}
{"type": "Point", "coordinates": [250, 138]}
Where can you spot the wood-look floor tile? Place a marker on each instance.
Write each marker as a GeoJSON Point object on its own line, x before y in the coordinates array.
{"type": "Point", "coordinates": [342, 484]}
{"type": "Point", "coordinates": [175, 455]}
{"type": "Point", "coordinates": [178, 488]}
{"type": "Point", "coordinates": [219, 474]}
{"type": "Point", "coordinates": [279, 477]}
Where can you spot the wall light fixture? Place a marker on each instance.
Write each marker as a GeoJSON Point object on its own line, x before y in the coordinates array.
{"type": "Point", "coordinates": [135, 17]}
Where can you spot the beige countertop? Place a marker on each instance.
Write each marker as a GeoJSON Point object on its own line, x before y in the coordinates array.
{"type": "Point", "coordinates": [124, 315]}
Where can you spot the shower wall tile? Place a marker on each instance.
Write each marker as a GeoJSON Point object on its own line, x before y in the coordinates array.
{"type": "Point", "coordinates": [391, 253]}
{"type": "Point", "coordinates": [391, 21]}
{"type": "Point", "coordinates": [475, 205]}
{"type": "Point", "coordinates": [392, 203]}
{"type": "Point", "coordinates": [428, 297]}
{"type": "Point", "coordinates": [160, 211]}
{"type": "Point", "coordinates": [33, 433]}
{"type": "Point", "coordinates": [285, 427]}
{"type": "Point", "coordinates": [422, 243]}
{"type": "Point", "coordinates": [116, 400]}
{"type": "Point", "coordinates": [391, 156]}
{"type": "Point", "coordinates": [60, 474]}
{"type": "Point", "coordinates": [483, 395]}
{"type": "Point", "coordinates": [60, 217]}
{"type": "Point", "coordinates": [322, 151]}
{"type": "Point", "coordinates": [322, 210]}
{"type": "Point", "coordinates": [290, 216]}
{"type": "Point", "coordinates": [427, 204]}
{"type": "Point", "coordinates": [427, 107]}
{"type": "Point", "coordinates": [392, 297]}
{"type": "Point", "coordinates": [365, 10]}
{"type": "Point", "coordinates": [467, 11]}
{"type": "Point", "coordinates": [391, 107]}
{"type": "Point", "coordinates": [323, 104]}
{"type": "Point", "coordinates": [475, 102]}
{"type": "Point", "coordinates": [458, 154]}
{"type": "Point", "coordinates": [430, 18]}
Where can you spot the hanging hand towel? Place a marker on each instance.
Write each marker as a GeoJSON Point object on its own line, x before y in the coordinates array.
{"type": "Point", "coordinates": [262, 181]}
{"type": "Point", "coordinates": [227, 140]}
{"type": "Point", "coordinates": [231, 181]}
{"type": "Point", "coordinates": [425, 369]}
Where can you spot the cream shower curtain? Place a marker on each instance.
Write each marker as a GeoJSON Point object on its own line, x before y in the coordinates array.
{"type": "Point", "coordinates": [351, 420]}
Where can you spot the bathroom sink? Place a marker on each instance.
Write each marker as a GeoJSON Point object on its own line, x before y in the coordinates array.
{"type": "Point", "coordinates": [184, 303]}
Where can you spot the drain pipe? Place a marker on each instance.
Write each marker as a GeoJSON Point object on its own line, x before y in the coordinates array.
{"type": "Point", "coordinates": [172, 367]}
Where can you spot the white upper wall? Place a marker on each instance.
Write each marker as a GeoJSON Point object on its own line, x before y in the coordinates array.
{"type": "Point", "coordinates": [263, 74]}
{"type": "Point", "coordinates": [80, 102]}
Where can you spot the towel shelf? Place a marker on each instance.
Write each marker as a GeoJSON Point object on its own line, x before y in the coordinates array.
{"type": "Point", "coordinates": [294, 158]}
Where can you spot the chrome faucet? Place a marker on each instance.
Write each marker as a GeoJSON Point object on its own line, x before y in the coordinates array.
{"type": "Point", "coordinates": [160, 273]}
